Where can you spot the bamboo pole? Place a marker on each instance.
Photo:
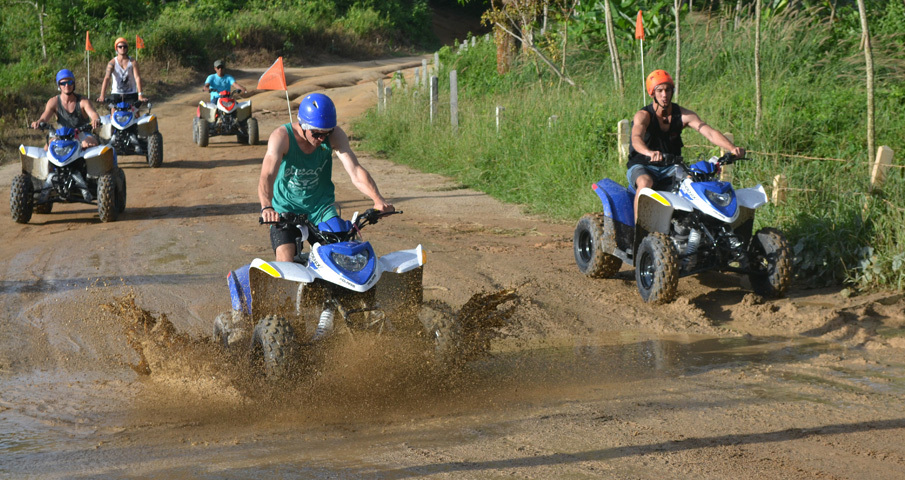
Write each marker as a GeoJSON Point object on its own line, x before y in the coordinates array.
{"type": "Point", "coordinates": [869, 66]}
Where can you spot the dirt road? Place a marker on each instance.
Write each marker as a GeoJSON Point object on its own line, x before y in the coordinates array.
{"type": "Point", "coordinates": [588, 383]}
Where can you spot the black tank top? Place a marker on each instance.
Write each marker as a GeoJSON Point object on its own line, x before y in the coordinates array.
{"type": "Point", "coordinates": [656, 139]}
{"type": "Point", "coordinates": [74, 119]}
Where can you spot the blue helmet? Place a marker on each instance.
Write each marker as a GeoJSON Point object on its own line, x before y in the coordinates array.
{"type": "Point", "coordinates": [64, 73]}
{"type": "Point", "coordinates": [317, 112]}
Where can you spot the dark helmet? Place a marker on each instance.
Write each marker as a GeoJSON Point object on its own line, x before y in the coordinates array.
{"type": "Point", "coordinates": [64, 74]}
{"type": "Point", "coordinates": [317, 112]}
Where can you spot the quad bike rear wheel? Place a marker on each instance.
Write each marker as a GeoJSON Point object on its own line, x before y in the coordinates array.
{"type": "Point", "coordinates": [155, 150]}
{"type": "Point", "coordinates": [202, 132]}
{"type": "Point", "coordinates": [273, 343]}
{"type": "Point", "coordinates": [657, 269]}
{"type": "Point", "coordinates": [252, 131]}
{"type": "Point", "coordinates": [594, 236]}
{"type": "Point", "coordinates": [21, 198]}
{"type": "Point", "coordinates": [120, 190]}
{"type": "Point", "coordinates": [771, 263]}
{"type": "Point", "coordinates": [106, 198]}
{"type": "Point", "coordinates": [44, 208]}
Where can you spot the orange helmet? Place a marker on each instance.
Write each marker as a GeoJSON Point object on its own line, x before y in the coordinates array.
{"type": "Point", "coordinates": [657, 77]}
{"type": "Point", "coordinates": [118, 41]}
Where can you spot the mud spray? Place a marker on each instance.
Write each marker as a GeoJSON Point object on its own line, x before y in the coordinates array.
{"type": "Point", "coordinates": [347, 377]}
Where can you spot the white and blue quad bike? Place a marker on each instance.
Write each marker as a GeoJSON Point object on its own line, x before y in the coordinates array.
{"type": "Point", "coordinates": [131, 133]}
{"type": "Point", "coordinates": [336, 282]}
{"type": "Point", "coordinates": [67, 173]}
{"type": "Point", "coordinates": [696, 224]}
{"type": "Point", "coordinates": [225, 116]}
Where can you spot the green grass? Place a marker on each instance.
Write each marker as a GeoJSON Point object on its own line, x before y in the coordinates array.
{"type": "Point", "coordinates": [814, 103]}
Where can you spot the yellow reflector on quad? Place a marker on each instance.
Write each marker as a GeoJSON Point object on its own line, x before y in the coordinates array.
{"type": "Point", "coordinates": [270, 270]}
{"type": "Point", "coordinates": [656, 196]}
{"type": "Point", "coordinates": [22, 149]}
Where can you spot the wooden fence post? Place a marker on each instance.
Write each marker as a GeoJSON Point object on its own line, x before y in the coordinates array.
{"type": "Point", "coordinates": [881, 165]}
{"type": "Point", "coordinates": [726, 174]}
{"type": "Point", "coordinates": [499, 114]}
{"type": "Point", "coordinates": [454, 100]}
{"type": "Point", "coordinates": [380, 105]}
{"type": "Point", "coordinates": [780, 185]}
{"type": "Point", "coordinates": [624, 129]}
{"type": "Point", "coordinates": [435, 92]}
{"type": "Point", "coordinates": [387, 94]}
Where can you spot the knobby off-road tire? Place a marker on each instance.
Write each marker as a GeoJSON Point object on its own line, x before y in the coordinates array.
{"type": "Point", "coordinates": [202, 132]}
{"type": "Point", "coordinates": [594, 235]}
{"type": "Point", "coordinates": [120, 190]}
{"type": "Point", "coordinates": [155, 150]}
{"type": "Point", "coordinates": [21, 198]}
{"type": "Point", "coordinates": [273, 343]}
{"type": "Point", "coordinates": [657, 269]}
{"type": "Point", "coordinates": [253, 135]}
{"type": "Point", "coordinates": [106, 198]}
{"type": "Point", "coordinates": [44, 208]}
{"type": "Point", "coordinates": [771, 262]}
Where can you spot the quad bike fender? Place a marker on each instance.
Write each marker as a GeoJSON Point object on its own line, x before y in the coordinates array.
{"type": "Point", "coordinates": [617, 201]}
{"type": "Point", "coordinates": [291, 271]}
{"type": "Point", "coordinates": [105, 132]}
{"type": "Point", "coordinates": [207, 112]}
{"type": "Point", "coordinates": [266, 276]}
{"type": "Point", "coordinates": [655, 211]}
{"type": "Point", "coordinates": [402, 261]}
{"type": "Point", "coordinates": [34, 163]}
{"type": "Point", "coordinates": [244, 112]}
{"type": "Point", "coordinates": [240, 289]}
{"type": "Point", "coordinates": [99, 160]}
{"type": "Point", "coordinates": [751, 198]}
{"type": "Point", "coordinates": [147, 125]}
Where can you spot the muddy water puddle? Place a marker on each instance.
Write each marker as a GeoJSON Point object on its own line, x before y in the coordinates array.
{"type": "Point", "coordinates": [45, 412]}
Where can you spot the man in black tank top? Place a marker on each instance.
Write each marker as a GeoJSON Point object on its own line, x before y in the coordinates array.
{"type": "Point", "coordinates": [657, 129]}
{"type": "Point", "coordinates": [70, 109]}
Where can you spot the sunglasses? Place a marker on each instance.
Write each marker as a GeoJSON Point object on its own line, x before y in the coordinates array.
{"type": "Point", "coordinates": [67, 83]}
{"type": "Point", "coordinates": [124, 47]}
{"type": "Point", "coordinates": [220, 67]}
{"type": "Point", "coordinates": [321, 135]}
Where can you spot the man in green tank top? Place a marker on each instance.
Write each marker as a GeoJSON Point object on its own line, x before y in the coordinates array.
{"type": "Point", "coordinates": [297, 170]}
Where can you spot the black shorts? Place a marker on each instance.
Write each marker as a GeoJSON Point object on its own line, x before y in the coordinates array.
{"type": "Point", "coordinates": [283, 235]}
{"type": "Point", "coordinates": [124, 97]}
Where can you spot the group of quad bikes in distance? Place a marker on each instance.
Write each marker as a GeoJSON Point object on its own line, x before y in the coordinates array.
{"type": "Point", "coordinates": [695, 223]}
{"type": "Point", "coordinates": [65, 172]}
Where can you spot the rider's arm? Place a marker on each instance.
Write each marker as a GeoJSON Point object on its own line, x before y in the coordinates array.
{"type": "Point", "coordinates": [713, 135]}
{"type": "Point", "coordinates": [359, 176]}
{"type": "Point", "coordinates": [91, 112]}
{"type": "Point", "coordinates": [277, 146]}
{"type": "Point", "coordinates": [639, 126]}
{"type": "Point", "coordinates": [49, 111]}
{"type": "Point", "coordinates": [106, 79]}
{"type": "Point", "coordinates": [240, 87]}
{"type": "Point", "coordinates": [138, 81]}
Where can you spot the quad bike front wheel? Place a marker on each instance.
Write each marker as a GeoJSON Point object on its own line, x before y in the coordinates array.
{"type": "Point", "coordinates": [273, 342]}
{"type": "Point", "coordinates": [771, 263]}
{"type": "Point", "coordinates": [106, 198]}
{"type": "Point", "coordinates": [155, 150]}
{"type": "Point", "coordinates": [657, 269]}
{"type": "Point", "coordinates": [21, 198]}
{"type": "Point", "coordinates": [594, 235]}
{"type": "Point", "coordinates": [202, 132]}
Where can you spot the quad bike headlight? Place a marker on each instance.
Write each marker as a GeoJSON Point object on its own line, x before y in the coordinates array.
{"type": "Point", "coordinates": [122, 117]}
{"type": "Point", "coordinates": [63, 150]}
{"type": "Point", "coordinates": [718, 199]}
{"type": "Point", "coordinates": [351, 263]}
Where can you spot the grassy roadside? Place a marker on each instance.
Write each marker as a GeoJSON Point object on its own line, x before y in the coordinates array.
{"type": "Point", "coordinates": [813, 107]}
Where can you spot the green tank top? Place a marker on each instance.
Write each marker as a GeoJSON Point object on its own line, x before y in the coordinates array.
{"type": "Point", "coordinates": [303, 184]}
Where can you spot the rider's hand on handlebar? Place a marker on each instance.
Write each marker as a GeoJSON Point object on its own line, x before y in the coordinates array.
{"type": "Point", "coordinates": [270, 215]}
{"type": "Point", "coordinates": [656, 157]}
{"type": "Point", "coordinates": [384, 207]}
{"type": "Point", "coordinates": [738, 152]}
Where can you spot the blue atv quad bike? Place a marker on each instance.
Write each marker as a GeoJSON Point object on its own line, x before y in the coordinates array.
{"type": "Point", "coordinates": [695, 224]}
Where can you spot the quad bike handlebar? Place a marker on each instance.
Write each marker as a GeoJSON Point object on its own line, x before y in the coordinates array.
{"type": "Point", "coordinates": [369, 217]}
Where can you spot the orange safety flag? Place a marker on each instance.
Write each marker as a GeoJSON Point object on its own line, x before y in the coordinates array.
{"type": "Point", "coordinates": [139, 43]}
{"type": "Point", "coordinates": [639, 27]}
{"type": "Point", "coordinates": [274, 78]}
{"type": "Point", "coordinates": [88, 47]}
